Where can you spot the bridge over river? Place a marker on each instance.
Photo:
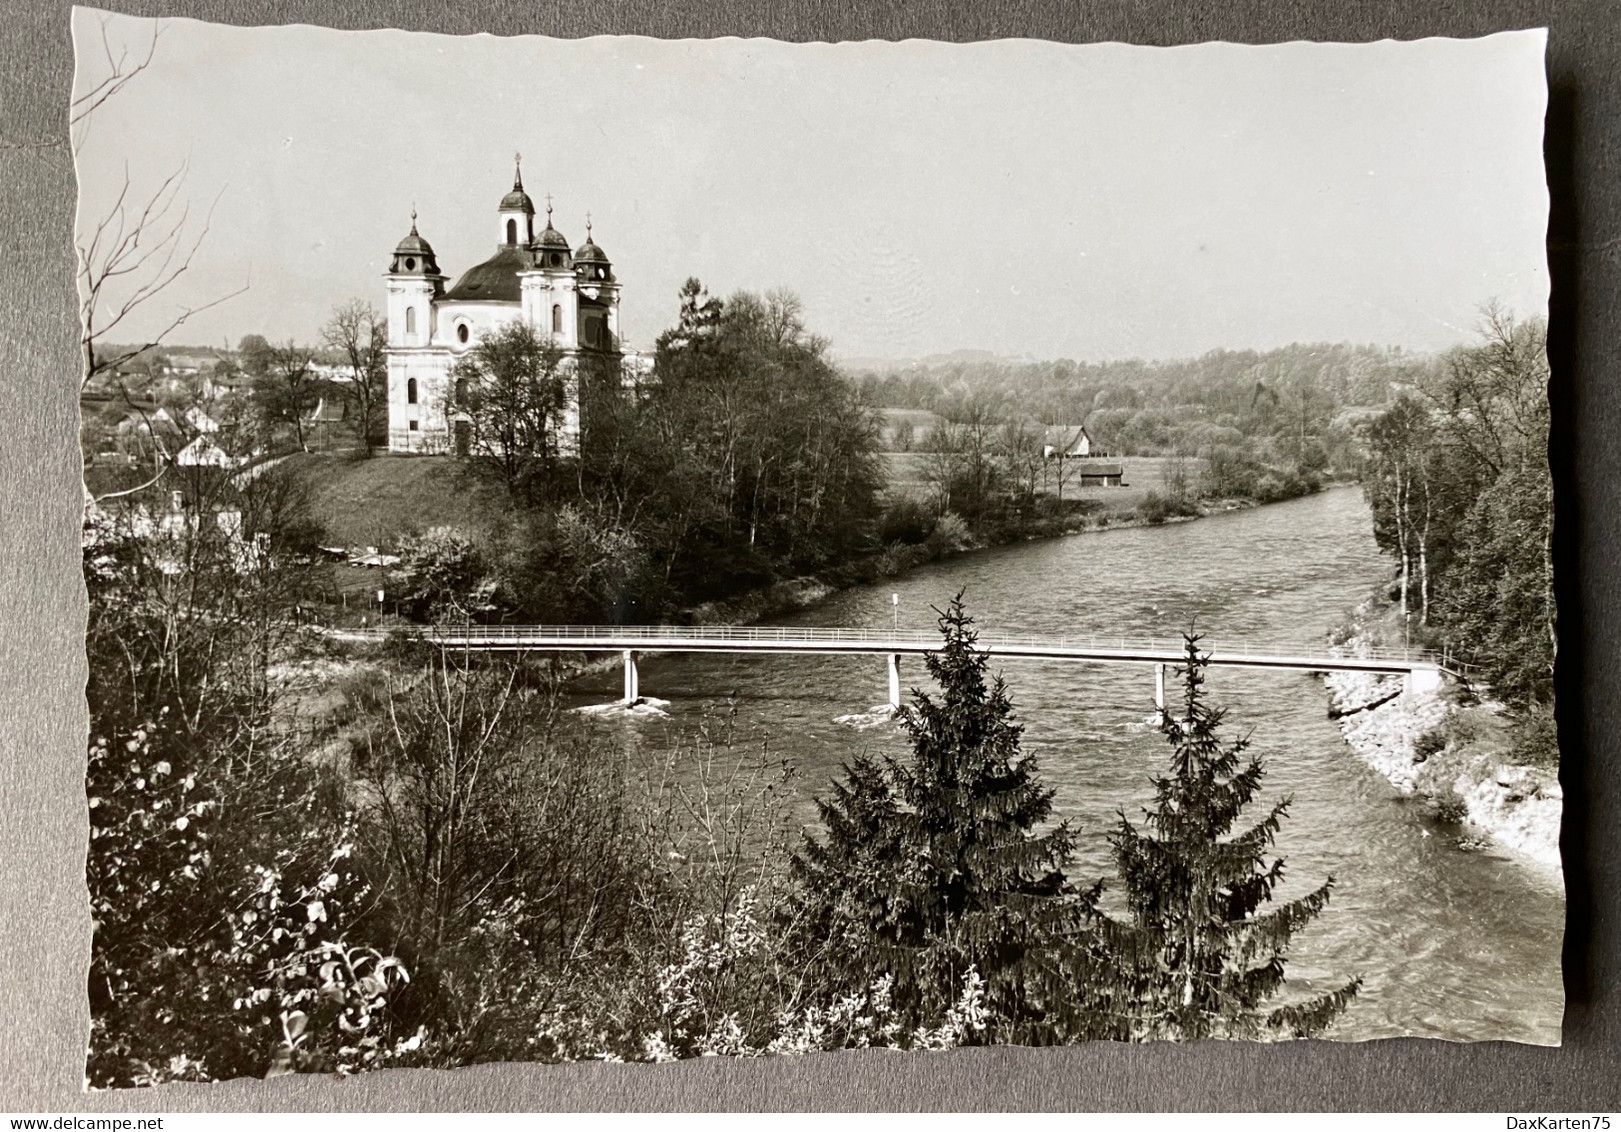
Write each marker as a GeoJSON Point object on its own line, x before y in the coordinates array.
{"type": "Point", "coordinates": [1421, 668]}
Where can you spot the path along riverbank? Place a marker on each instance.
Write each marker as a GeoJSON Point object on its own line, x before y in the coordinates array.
{"type": "Point", "coordinates": [1430, 747]}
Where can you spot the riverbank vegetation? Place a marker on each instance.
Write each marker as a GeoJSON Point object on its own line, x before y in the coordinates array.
{"type": "Point", "coordinates": [1247, 426]}
{"type": "Point", "coordinates": [427, 863]}
{"type": "Point", "coordinates": [1462, 497]}
{"type": "Point", "coordinates": [741, 461]}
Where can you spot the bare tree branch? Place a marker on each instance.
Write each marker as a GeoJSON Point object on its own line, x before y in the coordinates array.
{"type": "Point", "coordinates": [133, 252]}
{"type": "Point", "coordinates": [120, 70]}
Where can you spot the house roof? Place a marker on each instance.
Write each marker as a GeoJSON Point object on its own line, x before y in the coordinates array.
{"type": "Point", "coordinates": [203, 452]}
{"type": "Point", "coordinates": [1101, 468]}
{"type": "Point", "coordinates": [1065, 437]}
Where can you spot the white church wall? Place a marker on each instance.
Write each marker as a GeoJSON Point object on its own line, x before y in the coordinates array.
{"type": "Point", "coordinates": [479, 318]}
{"type": "Point", "coordinates": [430, 369]}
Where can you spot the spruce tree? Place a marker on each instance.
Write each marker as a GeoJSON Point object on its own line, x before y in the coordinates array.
{"type": "Point", "coordinates": [1198, 958]}
{"type": "Point", "coordinates": [941, 865]}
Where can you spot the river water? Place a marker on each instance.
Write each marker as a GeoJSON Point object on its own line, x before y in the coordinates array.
{"type": "Point", "coordinates": [1449, 943]}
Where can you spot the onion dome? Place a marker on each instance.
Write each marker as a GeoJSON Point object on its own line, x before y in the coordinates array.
{"type": "Point", "coordinates": [517, 200]}
{"type": "Point", "coordinates": [551, 246]}
{"type": "Point", "coordinates": [590, 260]}
{"type": "Point", "coordinates": [413, 255]}
{"type": "Point", "coordinates": [551, 238]}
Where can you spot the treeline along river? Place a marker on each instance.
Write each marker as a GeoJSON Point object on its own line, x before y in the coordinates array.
{"type": "Point", "coordinates": [1450, 943]}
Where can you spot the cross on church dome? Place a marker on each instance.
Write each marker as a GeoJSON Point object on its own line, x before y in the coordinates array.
{"type": "Point", "coordinates": [517, 200]}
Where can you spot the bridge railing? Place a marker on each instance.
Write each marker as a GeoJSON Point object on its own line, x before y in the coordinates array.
{"type": "Point", "coordinates": [653, 635]}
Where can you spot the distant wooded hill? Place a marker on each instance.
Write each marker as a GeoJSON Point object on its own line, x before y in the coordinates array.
{"type": "Point", "coordinates": [1298, 401]}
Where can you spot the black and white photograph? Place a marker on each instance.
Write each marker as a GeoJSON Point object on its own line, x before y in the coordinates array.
{"type": "Point", "coordinates": [635, 550]}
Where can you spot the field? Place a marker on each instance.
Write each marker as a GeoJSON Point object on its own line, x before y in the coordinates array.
{"type": "Point", "coordinates": [908, 479]}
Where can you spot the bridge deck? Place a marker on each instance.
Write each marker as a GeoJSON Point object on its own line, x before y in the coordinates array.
{"type": "Point", "coordinates": [832, 641]}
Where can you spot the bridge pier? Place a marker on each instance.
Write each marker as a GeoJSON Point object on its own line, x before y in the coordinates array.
{"type": "Point", "coordinates": [633, 691]}
{"type": "Point", "coordinates": [1159, 687]}
{"type": "Point", "coordinates": [1422, 681]}
{"type": "Point", "coordinates": [894, 681]}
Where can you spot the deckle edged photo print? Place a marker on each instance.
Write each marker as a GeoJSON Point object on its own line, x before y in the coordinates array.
{"type": "Point", "coordinates": [636, 550]}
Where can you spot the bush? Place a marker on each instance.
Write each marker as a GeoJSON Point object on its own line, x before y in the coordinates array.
{"type": "Point", "coordinates": [1431, 742]}
{"type": "Point", "coordinates": [905, 521]}
{"type": "Point", "coordinates": [441, 573]}
{"type": "Point", "coordinates": [950, 535]}
{"type": "Point", "coordinates": [897, 558]}
{"type": "Point", "coordinates": [1156, 508]}
{"type": "Point", "coordinates": [1535, 739]}
{"type": "Point", "coordinates": [1451, 809]}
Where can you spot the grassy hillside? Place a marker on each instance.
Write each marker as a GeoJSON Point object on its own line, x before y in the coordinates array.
{"type": "Point", "coordinates": [372, 502]}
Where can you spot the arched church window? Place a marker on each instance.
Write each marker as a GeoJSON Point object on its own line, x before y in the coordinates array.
{"type": "Point", "coordinates": [411, 391]}
{"type": "Point", "coordinates": [410, 264]}
{"type": "Point", "coordinates": [512, 231]}
{"type": "Point", "coordinates": [556, 259]}
{"type": "Point", "coordinates": [461, 333]}
{"type": "Point", "coordinates": [410, 320]}
{"type": "Point", "coordinates": [461, 389]}
{"type": "Point", "coordinates": [557, 318]}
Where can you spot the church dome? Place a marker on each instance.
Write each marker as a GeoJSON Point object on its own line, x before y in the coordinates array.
{"type": "Point", "coordinates": [495, 280]}
{"type": "Point", "coordinates": [551, 246]}
{"type": "Point", "coordinates": [413, 243]}
{"type": "Point", "coordinates": [591, 262]}
{"type": "Point", "coordinates": [551, 238]}
{"type": "Point", "coordinates": [517, 201]}
{"type": "Point", "coordinates": [413, 255]}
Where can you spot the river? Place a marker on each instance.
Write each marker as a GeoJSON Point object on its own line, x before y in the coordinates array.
{"type": "Point", "coordinates": [1450, 943]}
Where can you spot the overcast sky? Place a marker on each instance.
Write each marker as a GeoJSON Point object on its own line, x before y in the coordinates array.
{"type": "Point", "coordinates": [1028, 198]}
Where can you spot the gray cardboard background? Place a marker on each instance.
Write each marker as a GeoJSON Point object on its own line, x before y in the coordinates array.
{"type": "Point", "coordinates": [44, 927]}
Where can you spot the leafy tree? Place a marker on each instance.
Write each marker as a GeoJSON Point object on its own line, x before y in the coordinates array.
{"type": "Point", "coordinates": [771, 456]}
{"type": "Point", "coordinates": [1457, 479]}
{"type": "Point", "coordinates": [442, 573]}
{"type": "Point", "coordinates": [940, 866]}
{"type": "Point", "coordinates": [1401, 443]}
{"type": "Point", "coordinates": [358, 331]}
{"type": "Point", "coordinates": [512, 391]}
{"type": "Point", "coordinates": [254, 353]}
{"type": "Point", "coordinates": [287, 390]}
{"type": "Point", "coordinates": [1198, 957]}
{"type": "Point", "coordinates": [1500, 601]}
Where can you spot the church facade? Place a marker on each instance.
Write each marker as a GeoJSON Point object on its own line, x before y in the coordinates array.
{"type": "Point", "coordinates": [568, 293]}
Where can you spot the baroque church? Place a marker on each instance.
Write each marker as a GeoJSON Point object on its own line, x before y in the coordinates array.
{"type": "Point", "coordinates": [570, 294]}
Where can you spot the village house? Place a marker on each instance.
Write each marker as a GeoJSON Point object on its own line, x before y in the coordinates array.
{"type": "Point", "coordinates": [1081, 461]}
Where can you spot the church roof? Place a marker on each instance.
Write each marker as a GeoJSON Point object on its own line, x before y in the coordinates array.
{"type": "Point", "coordinates": [413, 243]}
{"type": "Point", "coordinates": [551, 238]}
{"type": "Point", "coordinates": [589, 252]}
{"type": "Point", "coordinates": [517, 199]}
{"type": "Point", "coordinates": [495, 280]}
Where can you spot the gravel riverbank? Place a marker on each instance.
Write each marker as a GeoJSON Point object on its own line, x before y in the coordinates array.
{"type": "Point", "coordinates": [1467, 778]}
